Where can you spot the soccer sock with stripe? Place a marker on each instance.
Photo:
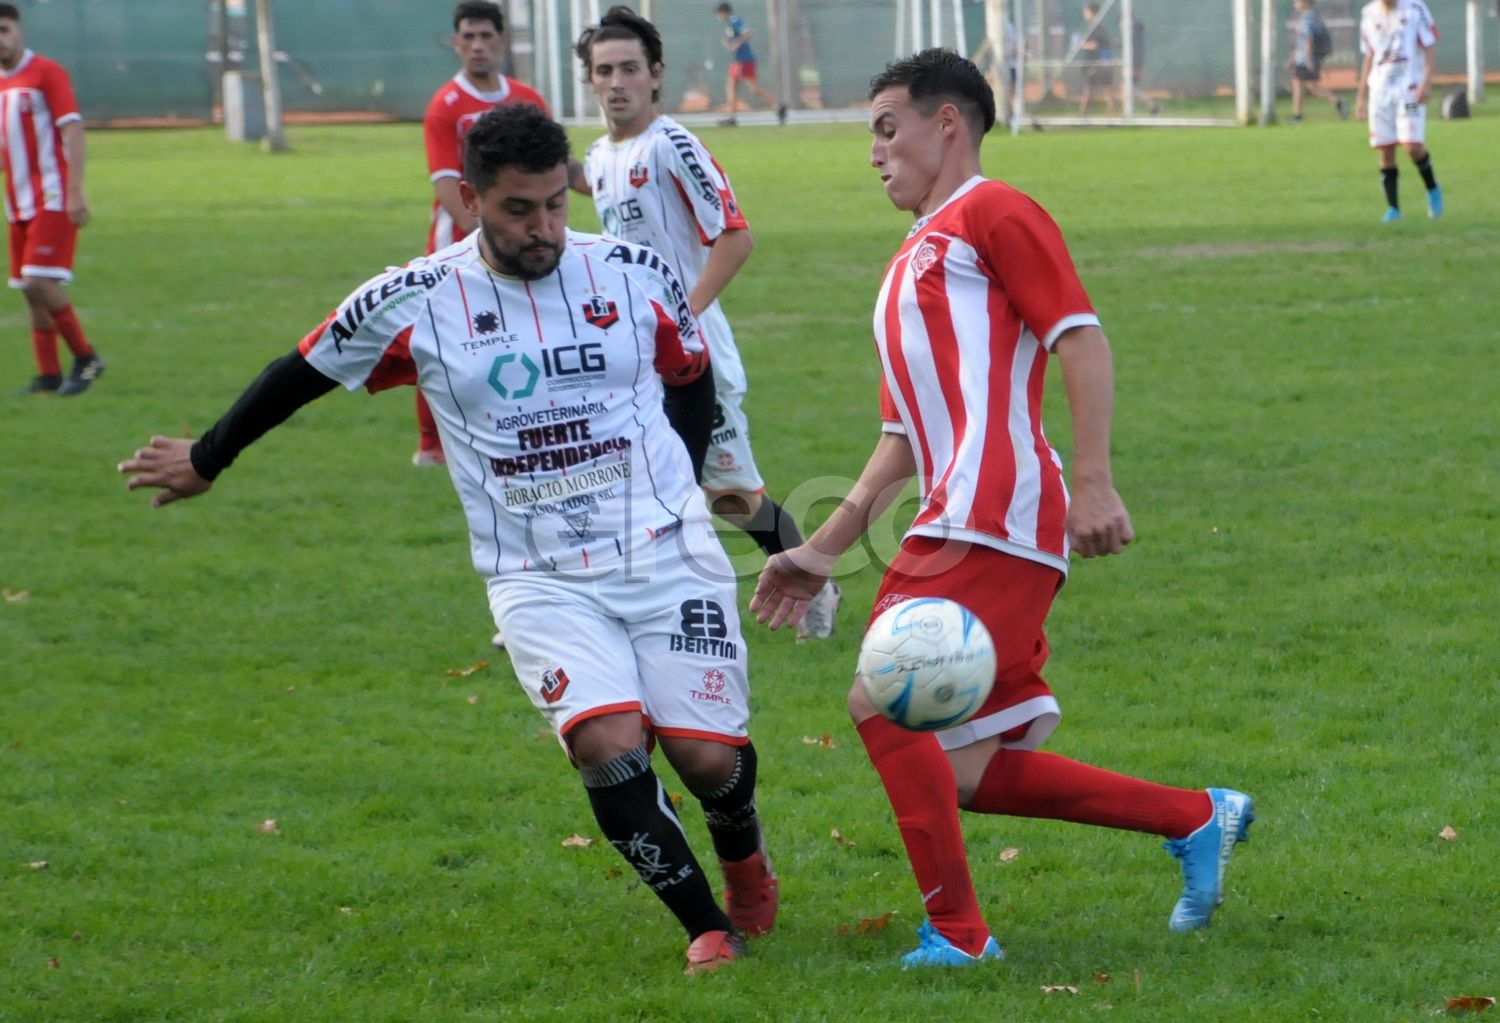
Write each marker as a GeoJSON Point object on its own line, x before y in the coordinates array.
{"type": "Point", "coordinates": [1388, 177]}
{"type": "Point", "coordinates": [633, 812]}
{"type": "Point", "coordinates": [1424, 168]}
{"type": "Point", "coordinates": [729, 809]}
{"type": "Point", "coordinates": [772, 528]}
{"type": "Point", "coordinates": [1026, 783]}
{"type": "Point", "coordinates": [72, 332]}
{"type": "Point", "coordinates": [44, 344]}
{"type": "Point", "coordinates": [919, 783]}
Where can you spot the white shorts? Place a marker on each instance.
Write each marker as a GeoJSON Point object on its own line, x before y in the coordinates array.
{"type": "Point", "coordinates": [1394, 119]}
{"type": "Point", "coordinates": [730, 464]}
{"type": "Point", "coordinates": [661, 637]}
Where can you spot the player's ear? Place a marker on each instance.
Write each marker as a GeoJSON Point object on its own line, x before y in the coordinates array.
{"type": "Point", "coordinates": [468, 197]}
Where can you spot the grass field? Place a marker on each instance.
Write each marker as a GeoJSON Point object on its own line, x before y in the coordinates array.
{"type": "Point", "coordinates": [1306, 435]}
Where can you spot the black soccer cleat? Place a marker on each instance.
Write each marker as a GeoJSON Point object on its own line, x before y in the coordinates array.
{"type": "Point", "coordinates": [46, 383]}
{"type": "Point", "coordinates": [84, 372]}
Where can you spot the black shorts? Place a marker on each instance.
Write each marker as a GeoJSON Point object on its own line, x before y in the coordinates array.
{"type": "Point", "coordinates": [1307, 74]}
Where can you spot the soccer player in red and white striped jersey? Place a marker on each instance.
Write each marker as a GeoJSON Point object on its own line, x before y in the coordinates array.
{"type": "Point", "coordinates": [41, 147]}
{"type": "Point", "coordinates": [974, 304]}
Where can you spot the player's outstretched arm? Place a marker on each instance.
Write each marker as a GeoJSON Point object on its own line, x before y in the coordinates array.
{"type": "Point", "coordinates": [793, 577]}
{"type": "Point", "coordinates": [180, 467]}
{"type": "Point", "coordinates": [1097, 521]}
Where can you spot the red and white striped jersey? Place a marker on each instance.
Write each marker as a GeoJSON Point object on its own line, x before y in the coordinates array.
{"type": "Point", "coordinates": [547, 394]}
{"type": "Point", "coordinates": [36, 101]}
{"type": "Point", "coordinates": [451, 112]}
{"type": "Point", "coordinates": [969, 308]}
{"type": "Point", "coordinates": [1398, 40]}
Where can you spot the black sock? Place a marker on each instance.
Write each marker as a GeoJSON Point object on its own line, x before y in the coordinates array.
{"type": "Point", "coordinates": [1424, 168]}
{"type": "Point", "coordinates": [1388, 179]}
{"type": "Point", "coordinates": [634, 814]}
{"type": "Point", "coordinates": [772, 528]}
{"type": "Point", "coordinates": [729, 810]}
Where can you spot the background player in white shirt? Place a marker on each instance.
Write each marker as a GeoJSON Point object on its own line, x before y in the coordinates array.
{"type": "Point", "coordinates": [543, 355]}
{"type": "Point", "coordinates": [655, 184]}
{"type": "Point", "coordinates": [972, 304]}
{"type": "Point", "coordinates": [1396, 38]}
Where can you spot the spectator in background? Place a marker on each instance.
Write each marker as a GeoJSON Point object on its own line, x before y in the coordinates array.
{"type": "Point", "coordinates": [741, 66]}
{"type": "Point", "coordinates": [1314, 44]}
{"type": "Point", "coordinates": [1138, 66]}
{"type": "Point", "coordinates": [42, 154]}
{"type": "Point", "coordinates": [1097, 52]}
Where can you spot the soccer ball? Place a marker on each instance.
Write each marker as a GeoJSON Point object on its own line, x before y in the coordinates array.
{"type": "Point", "coordinates": [927, 663]}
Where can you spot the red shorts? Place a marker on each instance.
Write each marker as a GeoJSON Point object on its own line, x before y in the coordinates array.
{"type": "Point", "coordinates": [742, 70]}
{"type": "Point", "coordinates": [1011, 596]}
{"type": "Point", "coordinates": [42, 247]}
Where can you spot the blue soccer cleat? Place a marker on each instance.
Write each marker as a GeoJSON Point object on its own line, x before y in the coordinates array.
{"type": "Point", "coordinates": [1203, 855]}
{"type": "Point", "coordinates": [1391, 213]}
{"type": "Point", "coordinates": [936, 950]}
{"type": "Point", "coordinates": [1434, 203]}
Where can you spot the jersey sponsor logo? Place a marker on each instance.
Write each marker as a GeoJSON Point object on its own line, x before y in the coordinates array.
{"type": "Point", "coordinates": [559, 459]}
{"type": "Point", "coordinates": [381, 297]}
{"type": "Point", "coordinates": [638, 175]}
{"type": "Point", "coordinates": [523, 377]}
{"type": "Point", "coordinates": [619, 216]}
{"type": "Point", "coordinates": [704, 630]}
{"type": "Point", "coordinates": [486, 321]}
{"type": "Point", "coordinates": [639, 255]}
{"type": "Point", "coordinates": [602, 313]}
{"type": "Point", "coordinates": [924, 259]}
{"type": "Point", "coordinates": [553, 414]}
{"type": "Point", "coordinates": [554, 684]}
{"type": "Point", "coordinates": [571, 485]}
{"type": "Point", "coordinates": [566, 367]}
{"type": "Point", "coordinates": [711, 688]}
{"type": "Point", "coordinates": [683, 143]}
{"type": "Point", "coordinates": [889, 601]}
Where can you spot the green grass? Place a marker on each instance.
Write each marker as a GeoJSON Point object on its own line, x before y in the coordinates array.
{"type": "Point", "coordinates": [1305, 434]}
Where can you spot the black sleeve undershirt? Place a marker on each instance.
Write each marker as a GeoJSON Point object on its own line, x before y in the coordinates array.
{"type": "Point", "coordinates": [691, 409]}
{"type": "Point", "coordinates": [287, 384]}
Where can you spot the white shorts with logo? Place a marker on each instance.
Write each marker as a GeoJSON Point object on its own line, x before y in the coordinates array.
{"type": "Point", "coordinates": [658, 634]}
{"type": "Point", "coordinates": [730, 465]}
{"type": "Point", "coordinates": [1395, 117]}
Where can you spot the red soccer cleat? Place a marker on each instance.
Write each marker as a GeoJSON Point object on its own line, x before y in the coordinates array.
{"type": "Point", "coordinates": [751, 893]}
{"type": "Point", "coordinates": [713, 949]}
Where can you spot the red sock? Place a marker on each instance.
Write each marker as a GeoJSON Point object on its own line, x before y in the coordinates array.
{"type": "Point", "coordinates": [72, 332]}
{"type": "Point", "coordinates": [919, 784]}
{"type": "Point", "coordinates": [44, 344]}
{"type": "Point", "coordinates": [1025, 783]}
{"type": "Point", "coordinates": [427, 431]}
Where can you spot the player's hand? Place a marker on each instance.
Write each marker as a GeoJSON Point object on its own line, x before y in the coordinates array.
{"type": "Point", "coordinates": [1359, 109]}
{"type": "Point", "coordinates": [77, 208]}
{"type": "Point", "coordinates": [1424, 91]}
{"type": "Point", "coordinates": [1098, 523]}
{"type": "Point", "coordinates": [166, 465]}
{"type": "Point", "coordinates": [788, 582]}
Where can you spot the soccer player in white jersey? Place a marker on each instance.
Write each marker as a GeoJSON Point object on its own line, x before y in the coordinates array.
{"type": "Point", "coordinates": [972, 305]}
{"type": "Point", "coordinates": [543, 355]}
{"type": "Point", "coordinates": [655, 183]}
{"type": "Point", "coordinates": [1396, 38]}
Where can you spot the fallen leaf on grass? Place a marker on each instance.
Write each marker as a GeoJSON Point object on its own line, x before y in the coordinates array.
{"type": "Point", "coordinates": [77, 935]}
{"type": "Point", "coordinates": [1135, 975]}
{"type": "Point", "coordinates": [868, 925]}
{"type": "Point", "coordinates": [53, 964]}
{"type": "Point", "coordinates": [1448, 834]}
{"type": "Point", "coordinates": [1101, 978]}
{"type": "Point", "coordinates": [825, 740]}
{"type": "Point", "coordinates": [1056, 989]}
{"type": "Point", "coordinates": [676, 798]}
{"type": "Point", "coordinates": [466, 672]}
{"type": "Point", "coordinates": [347, 910]}
{"type": "Point", "coordinates": [611, 873]}
{"type": "Point", "coordinates": [15, 596]}
{"type": "Point", "coordinates": [1006, 855]}
{"type": "Point", "coordinates": [838, 837]}
{"type": "Point", "coordinates": [38, 864]}
{"type": "Point", "coordinates": [577, 842]}
{"type": "Point", "coordinates": [471, 699]}
{"type": "Point", "coordinates": [268, 827]}
{"type": "Point", "coordinates": [1470, 1003]}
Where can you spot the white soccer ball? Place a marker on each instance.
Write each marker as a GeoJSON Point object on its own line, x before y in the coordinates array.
{"type": "Point", "coordinates": [927, 663]}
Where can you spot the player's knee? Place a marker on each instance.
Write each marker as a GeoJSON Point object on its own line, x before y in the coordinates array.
{"type": "Point", "coordinates": [38, 290]}
{"type": "Point", "coordinates": [735, 504]}
{"type": "Point", "coordinates": [599, 740]}
{"type": "Point", "coordinates": [860, 707]}
{"type": "Point", "coordinates": [702, 764]}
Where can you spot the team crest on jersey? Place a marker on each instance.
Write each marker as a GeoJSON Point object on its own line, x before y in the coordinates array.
{"type": "Point", "coordinates": [600, 312]}
{"type": "Point", "coordinates": [925, 257]}
{"type": "Point", "coordinates": [486, 322]}
{"type": "Point", "coordinates": [638, 175]}
{"type": "Point", "coordinates": [554, 681]}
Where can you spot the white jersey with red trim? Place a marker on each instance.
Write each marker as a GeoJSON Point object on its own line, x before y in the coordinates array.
{"type": "Point", "coordinates": [663, 189]}
{"type": "Point", "coordinates": [969, 308]}
{"type": "Point", "coordinates": [36, 101]}
{"type": "Point", "coordinates": [547, 393]}
{"type": "Point", "coordinates": [1398, 39]}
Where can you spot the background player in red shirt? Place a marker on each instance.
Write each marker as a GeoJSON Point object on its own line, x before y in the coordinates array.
{"type": "Point", "coordinates": [971, 305]}
{"type": "Point", "coordinates": [479, 42]}
{"type": "Point", "coordinates": [41, 146]}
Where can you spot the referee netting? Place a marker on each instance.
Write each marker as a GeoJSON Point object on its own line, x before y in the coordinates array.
{"type": "Point", "coordinates": [131, 59]}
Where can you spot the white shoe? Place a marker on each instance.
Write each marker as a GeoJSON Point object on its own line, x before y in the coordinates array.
{"type": "Point", "coordinates": [424, 457]}
{"type": "Point", "coordinates": [818, 622]}
{"type": "Point", "coordinates": [498, 641]}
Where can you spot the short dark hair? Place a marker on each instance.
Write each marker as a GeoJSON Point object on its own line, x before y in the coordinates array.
{"type": "Point", "coordinates": [937, 76]}
{"type": "Point", "coordinates": [479, 10]}
{"type": "Point", "coordinates": [724, 9]}
{"type": "Point", "coordinates": [10, 11]}
{"type": "Point", "coordinates": [515, 135]}
{"type": "Point", "coordinates": [620, 22]}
